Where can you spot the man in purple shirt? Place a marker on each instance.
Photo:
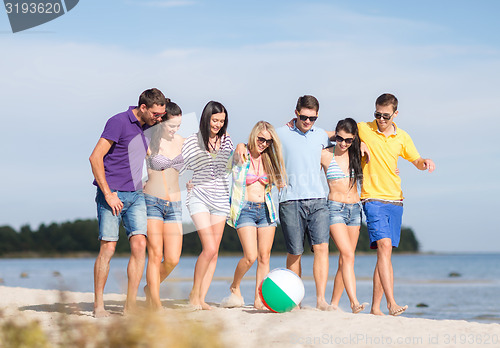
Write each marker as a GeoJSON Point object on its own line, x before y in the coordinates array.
{"type": "Point", "coordinates": [117, 167]}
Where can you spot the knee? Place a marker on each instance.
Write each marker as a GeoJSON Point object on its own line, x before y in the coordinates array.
{"type": "Point", "coordinates": [384, 245]}
{"type": "Point", "coordinates": [264, 258]}
{"type": "Point", "coordinates": [347, 257]}
{"type": "Point", "coordinates": [138, 245]}
{"type": "Point", "coordinates": [210, 252]}
{"type": "Point", "coordinates": [107, 250]}
{"type": "Point", "coordinates": [170, 261]}
{"type": "Point", "coordinates": [250, 258]}
{"type": "Point", "coordinates": [320, 248]}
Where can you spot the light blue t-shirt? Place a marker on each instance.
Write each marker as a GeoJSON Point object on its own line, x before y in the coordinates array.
{"type": "Point", "coordinates": [302, 156]}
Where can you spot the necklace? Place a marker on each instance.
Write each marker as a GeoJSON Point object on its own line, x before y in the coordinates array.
{"type": "Point", "coordinates": [214, 145]}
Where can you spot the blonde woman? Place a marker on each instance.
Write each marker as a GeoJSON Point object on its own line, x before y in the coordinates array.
{"type": "Point", "coordinates": [253, 212]}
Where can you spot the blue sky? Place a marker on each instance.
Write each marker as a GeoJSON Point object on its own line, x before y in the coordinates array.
{"type": "Point", "coordinates": [61, 81]}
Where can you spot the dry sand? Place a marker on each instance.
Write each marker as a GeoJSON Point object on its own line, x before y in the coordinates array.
{"type": "Point", "coordinates": [247, 327]}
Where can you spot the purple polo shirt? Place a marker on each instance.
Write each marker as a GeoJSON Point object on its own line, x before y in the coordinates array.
{"type": "Point", "coordinates": [124, 160]}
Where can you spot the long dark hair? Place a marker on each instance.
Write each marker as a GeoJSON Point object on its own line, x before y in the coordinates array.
{"type": "Point", "coordinates": [211, 108]}
{"type": "Point", "coordinates": [355, 172]}
{"type": "Point", "coordinates": [171, 109]}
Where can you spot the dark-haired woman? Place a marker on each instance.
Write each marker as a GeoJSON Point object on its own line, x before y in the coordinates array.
{"type": "Point", "coordinates": [342, 166]}
{"type": "Point", "coordinates": [163, 202]}
{"type": "Point", "coordinates": [206, 153]}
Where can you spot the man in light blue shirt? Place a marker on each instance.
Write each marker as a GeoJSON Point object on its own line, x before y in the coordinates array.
{"type": "Point", "coordinates": [303, 210]}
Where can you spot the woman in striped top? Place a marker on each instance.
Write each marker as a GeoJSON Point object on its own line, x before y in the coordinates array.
{"type": "Point", "coordinates": [342, 166]}
{"type": "Point", "coordinates": [206, 153]}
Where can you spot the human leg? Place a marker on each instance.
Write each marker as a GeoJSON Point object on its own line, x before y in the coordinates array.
{"type": "Point", "coordinates": [101, 271]}
{"type": "Point", "coordinates": [248, 240]}
{"type": "Point", "coordinates": [135, 268]}
{"type": "Point", "coordinates": [342, 236]}
{"type": "Point", "coordinates": [155, 256]}
{"type": "Point", "coordinates": [265, 239]}
{"type": "Point", "coordinates": [320, 272]}
{"type": "Point", "coordinates": [293, 225]}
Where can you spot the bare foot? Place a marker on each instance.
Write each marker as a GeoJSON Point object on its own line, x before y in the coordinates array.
{"type": "Point", "coordinates": [205, 306]}
{"type": "Point", "coordinates": [257, 304]}
{"type": "Point", "coordinates": [359, 307]}
{"type": "Point", "coordinates": [397, 310]}
{"type": "Point", "coordinates": [101, 313]}
{"type": "Point", "coordinates": [376, 312]}
{"type": "Point", "coordinates": [322, 305]}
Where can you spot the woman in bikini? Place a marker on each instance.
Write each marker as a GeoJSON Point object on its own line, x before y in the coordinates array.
{"type": "Point", "coordinates": [342, 166]}
{"type": "Point", "coordinates": [163, 202]}
{"type": "Point", "coordinates": [253, 212]}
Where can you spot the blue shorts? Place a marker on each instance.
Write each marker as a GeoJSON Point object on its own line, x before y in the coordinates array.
{"type": "Point", "coordinates": [160, 209]}
{"type": "Point", "coordinates": [196, 206]}
{"type": "Point", "coordinates": [344, 213]}
{"type": "Point", "coordinates": [383, 221]}
{"type": "Point", "coordinates": [254, 214]}
{"type": "Point", "coordinates": [133, 215]}
{"type": "Point", "coordinates": [301, 218]}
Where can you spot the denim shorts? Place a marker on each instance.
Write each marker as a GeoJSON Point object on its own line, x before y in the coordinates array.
{"type": "Point", "coordinates": [196, 206]}
{"type": "Point", "coordinates": [383, 221]}
{"type": "Point", "coordinates": [160, 209]}
{"type": "Point", "coordinates": [133, 215]}
{"type": "Point", "coordinates": [345, 213]}
{"type": "Point", "coordinates": [254, 214]}
{"type": "Point", "coordinates": [301, 218]}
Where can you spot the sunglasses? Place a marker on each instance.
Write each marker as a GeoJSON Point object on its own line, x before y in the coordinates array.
{"type": "Point", "coordinates": [386, 117]}
{"type": "Point", "coordinates": [311, 118]}
{"type": "Point", "coordinates": [264, 140]}
{"type": "Point", "coordinates": [339, 139]}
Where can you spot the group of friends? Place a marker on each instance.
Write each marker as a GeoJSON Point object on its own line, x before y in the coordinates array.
{"type": "Point", "coordinates": [293, 158]}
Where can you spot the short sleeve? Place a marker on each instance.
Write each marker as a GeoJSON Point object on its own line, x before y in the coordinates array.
{"type": "Point", "coordinates": [112, 130]}
{"type": "Point", "coordinates": [409, 151]}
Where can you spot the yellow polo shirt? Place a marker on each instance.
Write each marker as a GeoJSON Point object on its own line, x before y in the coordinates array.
{"type": "Point", "coordinates": [379, 178]}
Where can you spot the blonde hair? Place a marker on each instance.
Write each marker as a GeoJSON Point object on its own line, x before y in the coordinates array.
{"type": "Point", "coordinates": [272, 156]}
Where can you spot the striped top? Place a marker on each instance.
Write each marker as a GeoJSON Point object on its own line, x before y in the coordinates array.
{"type": "Point", "coordinates": [334, 172]}
{"type": "Point", "coordinates": [210, 173]}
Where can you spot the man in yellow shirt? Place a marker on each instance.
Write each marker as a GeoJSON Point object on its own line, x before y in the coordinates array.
{"type": "Point", "coordinates": [381, 193]}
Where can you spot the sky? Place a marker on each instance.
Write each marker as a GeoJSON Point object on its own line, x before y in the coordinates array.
{"type": "Point", "coordinates": [61, 81]}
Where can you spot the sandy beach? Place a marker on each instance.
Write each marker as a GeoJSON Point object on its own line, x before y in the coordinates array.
{"type": "Point", "coordinates": [247, 327]}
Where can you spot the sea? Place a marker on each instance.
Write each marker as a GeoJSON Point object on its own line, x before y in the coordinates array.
{"type": "Point", "coordinates": [434, 286]}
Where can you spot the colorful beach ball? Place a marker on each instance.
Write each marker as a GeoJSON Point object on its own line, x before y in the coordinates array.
{"type": "Point", "coordinates": [282, 290]}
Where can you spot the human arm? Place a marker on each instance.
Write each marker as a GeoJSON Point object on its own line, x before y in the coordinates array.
{"type": "Point", "coordinates": [424, 164]}
{"type": "Point", "coordinates": [240, 153]}
{"type": "Point", "coordinates": [97, 164]}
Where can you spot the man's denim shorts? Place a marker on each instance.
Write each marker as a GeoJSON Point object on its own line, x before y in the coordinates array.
{"type": "Point", "coordinates": [160, 209]}
{"type": "Point", "coordinates": [345, 213]}
{"type": "Point", "coordinates": [383, 221]}
{"type": "Point", "coordinates": [133, 215]}
{"type": "Point", "coordinates": [301, 218]}
{"type": "Point", "coordinates": [254, 214]}
{"type": "Point", "coordinates": [196, 206]}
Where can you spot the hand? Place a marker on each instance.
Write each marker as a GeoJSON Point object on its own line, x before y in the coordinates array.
{"type": "Point", "coordinates": [397, 171]}
{"type": "Point", "coordinates": [114, 203]}
{"type": "Point", "coordinates": [429, 164]}
{"type": "Point", "coordinates": [364, 151]}
{"type": "Point", "coordinates": [189, 185]}
{"type": "Point", "coordinates": [240, 153]}
{"type": "Point", "coordinates": [291, 123]}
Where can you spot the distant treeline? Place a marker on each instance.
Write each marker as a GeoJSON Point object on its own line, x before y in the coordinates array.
{"type": "Point", "coordinates": [81, 236]}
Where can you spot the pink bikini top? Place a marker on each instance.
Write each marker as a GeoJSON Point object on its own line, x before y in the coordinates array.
{"type": "Point", "coordinates": [252, 178]}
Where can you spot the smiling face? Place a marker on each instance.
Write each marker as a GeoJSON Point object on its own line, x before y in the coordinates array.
{"type": "Point", "coordinates": [383, 124]}
{"type": "Point", "coordinates": [216, 123]}
{"type": "Point", "coordinates": [152, 115]}
{"type": "Point", "coordinates": [171, 126]}
{"type": "Point", "coordinates": [263, 140]}
{"type": "Point", "coordinates": [304, 113]}
{"type": "Point", "coordinates": [343, 139]}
